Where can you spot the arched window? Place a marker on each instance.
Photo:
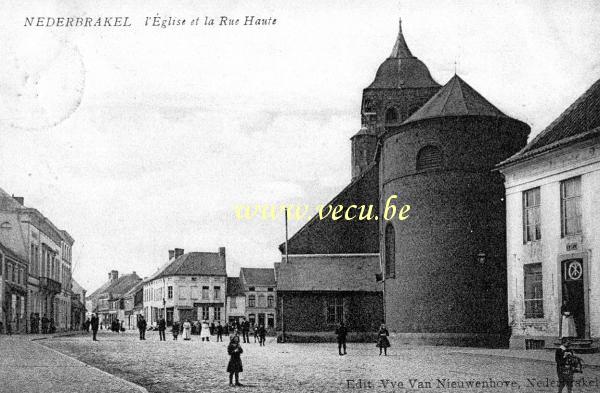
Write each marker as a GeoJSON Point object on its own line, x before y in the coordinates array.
{"type": "Point", "coordinates": [390, 251]}
{"type": "Point", "coordinates": [429, 157]}
{"type": "Point", "coordinates": [391, 115]}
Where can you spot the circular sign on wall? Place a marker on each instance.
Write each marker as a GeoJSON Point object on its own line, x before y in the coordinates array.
{"type": "Point", "coordinates": [575, 270]}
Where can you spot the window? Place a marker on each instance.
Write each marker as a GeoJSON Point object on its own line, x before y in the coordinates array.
{"type": "Point", "coordinates": [261, 300]}
{"type": "Point", "coordinates": [335, 310]}
{"type": "Point", "coordinates": [252, 319]}
{"type": "Point", "coordinates": [183, 292]}
{"type": "Point", "coordinates": [251, 301]}
{"type": "Point", "coordinates": [251, 289]}
{"type": "Point", "coordinates": [531, 215]}
{"type": "Point", "coordinates": [170, 292]}
{"type": "Point", "coordinates": [270, 299]}
{"type": "Point", "coordinates": [391, 115]}
{"type": "Point", "coordinates": [390, 251]}
{"type": "Point", "coordinates": [429, 157]}
{"type": "Point", "coordinates": [195, 292]}
{"type": "Point", "coordinates": [205, 293]}
{"type": "Point", "coordinates": [205, 313]}
{"type": "Point", "coordinates": [269, 289]}
{"type": "Point", "coordinates": [233, 302]}
{"type": "Point", "coordinates": [217, 314]}
{"type": "Point", "coordinates": [534, 297]}
{"type": "Point", "coordinates": [570, 206]}
{"type": "Point", "coordinates": [217, 293]}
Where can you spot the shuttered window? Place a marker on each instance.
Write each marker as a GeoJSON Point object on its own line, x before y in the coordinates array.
{"type": "Point", "coordinates": [429, 157]}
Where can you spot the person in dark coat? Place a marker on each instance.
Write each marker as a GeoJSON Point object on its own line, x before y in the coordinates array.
{"type": "Point", "coordinates": [234, 349]}
{"type": "Point", "coordinates": [212, 328]}
{"type": "Point", "coordinates": [162, 326]}
{"type": "Point", "coordinates": [44, 324]}
{"type": "Point", "coordinates": [341, 333]}
{"type": "Point", "coordinates": [94, 322]}
{"type": "Point", "coordinates": [142, 327]}
{"type": "Point", "coordinates": [382, 339]}
{"type": "Point", "coordinates": [219, 332]}
{"type": "Point", "coordinates": [566, 364]}
{"type": "Point", "coordinates": [175, 330]}
{"type": "Point", "coordinates": [262, 334]}
{"type": "Point", "coordinates": [246, 331]}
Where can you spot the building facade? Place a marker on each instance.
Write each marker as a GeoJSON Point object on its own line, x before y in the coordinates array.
{"type": "Point", "coordinates": [317, 292]}
{"type": "Point", "coordinates": [236, 300]}
{"type": "Point", "coordinates": [133, 306]}
{"type": "Point", "coordinates": [190, 286]}
{"type": "Point", "coordinates": [553, 232]}
{"type": "Point", "coordinates": [261, 296]}
{"type": "Point", "coordinates": [13, 292]}
{"type": "Point", "coordinates": [48, 253]}
{"type": "Point", "coordinates": [108, 300]}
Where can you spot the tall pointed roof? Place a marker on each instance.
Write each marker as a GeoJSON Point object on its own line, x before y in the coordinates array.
{"type": "Point", "coordinates": [401, 69]}
{"type": "Point", "coordinates": [456, 98]}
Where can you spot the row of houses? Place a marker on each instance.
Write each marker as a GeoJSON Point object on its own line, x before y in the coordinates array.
{"type": "Point", "coordinates": [37, 291]}
{"type": "Point", "coordinates": [190, 286]}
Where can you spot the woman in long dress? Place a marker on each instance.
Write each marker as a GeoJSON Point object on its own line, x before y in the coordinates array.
{"type": "Point", "coordinates": [205, 332]}
{"type": "Point", "coordinates": [187, 330]}
{"type": "Point", "coordinates": [382, 339]}
{"type": "Point", "coordinates": [568, 322]}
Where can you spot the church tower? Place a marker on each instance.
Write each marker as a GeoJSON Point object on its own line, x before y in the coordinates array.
{"type": "Point", "coordinates": [402, 85]}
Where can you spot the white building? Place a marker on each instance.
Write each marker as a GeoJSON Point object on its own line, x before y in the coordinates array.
{"type": "Point", "coordinates": [191, 286]}
{"type": "Point", "coordinates": [553, 228]}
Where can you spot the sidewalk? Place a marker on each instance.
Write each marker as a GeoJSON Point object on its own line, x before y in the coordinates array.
{"type": "Point", "coordinates": [27, 366]}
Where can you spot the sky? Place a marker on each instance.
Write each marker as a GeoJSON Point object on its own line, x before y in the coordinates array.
{"type": "Point", "coordinates": [139, 140]}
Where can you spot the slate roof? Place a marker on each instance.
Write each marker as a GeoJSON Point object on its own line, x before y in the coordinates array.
{"type": "Point", "coordinates": [135, 288]}
{"type": "Point", "coordinates": [11, 254]}
{"type": "Point", "coordinates": [7, 202]}
{"type": "Point", "coordinates": [402, 69]}
{"type": "Point", "coordinates": [329, 273]}
{"type": "Point", "coordinates": [260, 277]}
{"type": "Point", "coordinates": [195, 264]}
{"type": "Point", "coordinates": [234, 286]}
{"type": "Point", "coordinates": [456, 98]}
{"type": "Point", "coordinates": [581, 120]}
{"type": "Point", "coordinates": [76, 288]}
{"type": "Point", "coordinates": [118, 287]}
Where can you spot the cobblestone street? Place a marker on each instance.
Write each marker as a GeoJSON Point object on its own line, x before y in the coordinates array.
{"type": "Point", "coordinates": [195, 366]}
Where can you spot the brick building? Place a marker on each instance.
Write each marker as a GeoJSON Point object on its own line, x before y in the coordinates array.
{"type": "Point", "coordinates": [317, 292]}
{"type": "Point", "coordinates": [553, 233]}
{"type": "Point", "coordinates": [13, 292]}
{"type": "Point", "coordinates": [236, 300]}
{"type": "Point", "coordinates": [108, 300]}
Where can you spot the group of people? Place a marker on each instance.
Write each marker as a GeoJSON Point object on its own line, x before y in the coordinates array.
{"type": "Point", "coordinates": [383, 342]}
{"type": "Point", "coordinates": [42, 325]}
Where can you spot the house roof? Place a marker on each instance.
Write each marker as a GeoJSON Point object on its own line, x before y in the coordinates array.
{"type": "Point", "coordinates": [251, 276]}
{"type": "Point", "coordinates": [456, 98]}
{"type": "Point", "coordinates": [11, 254]}
{"type": "Point", "coordinates": [401, 69]}
{"type": "Point", "coordinates": [329, 273]}
{"type": "Point", "coordinates": [7, 202]}
{"type": "Point", "coordinates": [234, 286]}
{"type": "Point", "coordinates": [135, 288]}
{"type": "Point", "coordinates": [118, 287]}
{"type": "Point", "coordinates": [581, 120]}
{"type": "Point", "coordinates": [195, 264]}
{"type": "Point", "coordinates": [76, 288]}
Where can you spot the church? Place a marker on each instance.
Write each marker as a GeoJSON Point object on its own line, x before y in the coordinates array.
{"type": "Point", "coordinates": [441, 273]}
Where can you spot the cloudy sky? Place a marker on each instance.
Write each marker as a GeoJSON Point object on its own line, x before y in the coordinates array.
{"type": "Point", "coordinates": [143, 139]}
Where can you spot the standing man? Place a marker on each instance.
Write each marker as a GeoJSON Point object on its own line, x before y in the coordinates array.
{"type": "Point", "coordinates": [246, 331]}
{"type": "Point", "coordinates": [142, 327]}
{"type": "Point", "coordinates": [162, 326]}
{"type": "Point", "coordinates": [341, 333]}
{"type": "Point", "coordinates": [566, 364]}
{"type": "Point", "coordinates": [94, 322]}
{"type": "Point", "coordinates": [219, 332]}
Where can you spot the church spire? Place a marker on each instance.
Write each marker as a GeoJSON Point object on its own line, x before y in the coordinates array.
{"type": "Point", "coordinates": [400, 48]}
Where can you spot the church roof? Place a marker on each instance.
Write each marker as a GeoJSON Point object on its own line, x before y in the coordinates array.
{"type": "Point", "coordinates": [579, 121]}
{"type": "Point", "coordinates": [401, 69]}
{"type": "Point", "coordinates": [456, 98]}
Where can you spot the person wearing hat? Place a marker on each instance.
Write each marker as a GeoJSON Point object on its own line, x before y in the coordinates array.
{"type": "Point", "coordinates": [566, 364]}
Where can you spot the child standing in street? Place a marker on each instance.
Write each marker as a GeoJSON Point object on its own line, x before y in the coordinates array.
{"type": "Point", "coordinates": [234, 349]}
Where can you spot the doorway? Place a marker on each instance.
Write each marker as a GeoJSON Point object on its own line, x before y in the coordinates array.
{"type": "Point", "coordinates": [573, 292]}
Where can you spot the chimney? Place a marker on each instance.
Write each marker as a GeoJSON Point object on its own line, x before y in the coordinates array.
{"type": "Point", "coordinates": [171, 254]}
{"type": "Point", "coordinates": [222, 256]}
{"type": "Point", "coordinates": [178, 252]}
{"type": "Point", "coordinates": [21, 200]}
{"type": "Point", "coordinates": [113, 275]}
